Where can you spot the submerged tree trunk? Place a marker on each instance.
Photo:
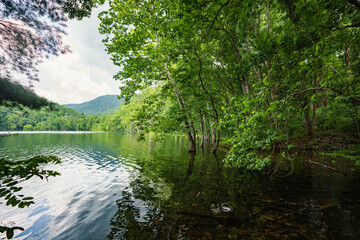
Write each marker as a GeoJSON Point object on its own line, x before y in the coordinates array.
{"type": "Point", "coordinates": [202, 129]}
{"type": "Point", "coordinates": [208, 134]}
{"type": "Point", "coordinates": [217, 141]}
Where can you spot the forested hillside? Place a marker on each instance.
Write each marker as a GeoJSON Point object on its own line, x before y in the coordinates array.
{"type": "Point", "coordinates": [12, 93]}
{"type": "Point", "coordinates": [254, 72]}
{"type": "Point", "coordinates": [58, 118]}
{"type": "Point", "coordinates": [100, 106]}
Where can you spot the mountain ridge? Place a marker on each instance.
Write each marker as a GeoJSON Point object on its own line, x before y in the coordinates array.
{"type": "Point", "coordinates": [100, 106]}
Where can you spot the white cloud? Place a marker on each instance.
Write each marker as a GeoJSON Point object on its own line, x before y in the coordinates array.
{"type": "Point", "coordinates": [82, 75]}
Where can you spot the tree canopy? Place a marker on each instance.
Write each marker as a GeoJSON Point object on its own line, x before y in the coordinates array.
{"type": "Point", "coordinates": [255, 72]}
{"type": "Point", "coordinates": [31, 30]}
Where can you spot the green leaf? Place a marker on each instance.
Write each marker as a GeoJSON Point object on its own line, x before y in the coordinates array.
{"type": "Point", "coordinates": [27, 198]}
{"type": "Point", "coordinates": [7, 180]}
{"type": "Point", "coordinates": [9, 233]}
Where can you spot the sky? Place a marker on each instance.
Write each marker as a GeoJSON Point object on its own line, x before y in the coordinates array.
{"type": "Point", "coordinates": [82, 75]}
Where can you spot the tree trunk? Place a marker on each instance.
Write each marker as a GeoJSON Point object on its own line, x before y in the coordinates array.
{"type": "Point", "coordinates": [208, 130]}
{"type": "Point", "coordinates": [216, 115]}
{"type": "Point", "coordinates": [178, 96]}
{"type": "Point", "coordinates": [308, 124]}
{"type": "Point", "coordinates": [213, 138]}
{"type": "Point", "coordinates": [202, 129]}
{"type": "Point", "coordinates": [314, 107]}
{"type": "Point", "coordinates": [192, 146]}
{"type": "Point", "coordinates": [357, 120]}
{"type": "Point", "coordinates": [217, 141]}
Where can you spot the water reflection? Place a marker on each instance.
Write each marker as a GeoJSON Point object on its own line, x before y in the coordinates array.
{"type": "Point", "coordinates": [212, 202]}
{"type": "Point", "coordinates": [116, 188]}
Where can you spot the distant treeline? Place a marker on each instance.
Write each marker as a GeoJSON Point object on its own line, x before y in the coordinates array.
{"type": "Point", "coordinates": [56, 118]}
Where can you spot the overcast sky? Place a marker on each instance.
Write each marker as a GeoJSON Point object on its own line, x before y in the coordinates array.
{"type": "Point", "coordinates": [82, 75]}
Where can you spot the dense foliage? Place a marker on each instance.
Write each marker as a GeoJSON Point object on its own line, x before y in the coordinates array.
{"type": "Point", "coordinates": [58, 118]}
{"type": "Point", "coordinates": [12, 94]}
{"type": "Point", "coordinates": [100, 106]}
{"type": "Point", "coordinates": [145, 112]}
{"type": "Point", "coordinates": [256, 72]}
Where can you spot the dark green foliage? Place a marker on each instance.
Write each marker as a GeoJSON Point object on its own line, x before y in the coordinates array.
{"type": "Point", "coordinates": [260, 71]}
{"type": "Point", "coordinates": [10, 231]}
{"type": "Point", "coordinates": [80, 8]}
{"type": "Point", "coordinates": [12, 94]}
{"type": "Point", "coordinates": [100, 106]}
{"type": "Point", "coordinates": [13, 172]}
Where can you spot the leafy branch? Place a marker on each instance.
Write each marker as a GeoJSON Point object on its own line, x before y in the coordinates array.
{"type": "Point", "coordinates": [13, 172]}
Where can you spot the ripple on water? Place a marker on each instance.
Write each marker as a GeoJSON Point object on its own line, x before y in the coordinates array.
{"type": "Point", "coordinates": [83, 197]}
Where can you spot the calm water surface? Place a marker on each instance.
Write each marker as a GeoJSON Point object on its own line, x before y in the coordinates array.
{"type": "Point", "coordinates": [112, 187]}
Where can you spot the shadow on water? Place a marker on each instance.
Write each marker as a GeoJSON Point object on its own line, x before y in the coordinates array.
{"type": "Point", "coordinates": [116, 188]}
{"type": "Point", "coordinates": [209, 201]}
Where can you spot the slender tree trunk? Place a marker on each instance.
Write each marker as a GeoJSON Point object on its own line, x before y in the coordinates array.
{"type": "Point", "coordinates": [191, 138]}
{"type": "Point", "coordinates": [202, 129]}
{"type": "Point", "coordinates": [208, 130]}
{"type": "Point", "coordinates": [245, 83]}
{"type": "Point", "coordinates": [268, 17]}
{"type": "Point", "coordinates": [347, 58]}
{"type": "Point", "coordinates": [308, 124]}
{"type": "Point", "coordinates": [268, 63]}
{"type": "Point", "coordinates": [213, 138]}
{"type": "Point", "coordinates": [193, 129]}
{"type": "Point", "coordinates": [314, 107]}
{"type": "Point", "coordinates": [357, 119]}
{"type": "Point", "coordinates": [217, 141]}
{"type": "Point", "coordinates": [216, 115]}
{"type": "Point", "coordinates": [226, 94]}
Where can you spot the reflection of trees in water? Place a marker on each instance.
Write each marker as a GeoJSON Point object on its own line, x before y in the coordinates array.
{"type": "Point", "coordinates": [198, 184]}
{"type": "Point", "coordinates": [190, 167]}
{"type": "Point", "coordinates": [187, 204]}
{"type": "Point", "coordinates": [139, 219]}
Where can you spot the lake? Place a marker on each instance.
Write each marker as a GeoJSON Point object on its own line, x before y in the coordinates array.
{"type": "Point", "coordinates": [113, 187]}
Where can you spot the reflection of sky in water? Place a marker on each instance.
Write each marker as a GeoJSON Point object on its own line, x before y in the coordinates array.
{"type": "Point", "coordinates": [39, 210]}
{"type": "Point", "coordinates": [112, 186]}
{"type": "Point", "coordinates": [39, 229]}
{"type": "Point", "coordinates": [78, 204]}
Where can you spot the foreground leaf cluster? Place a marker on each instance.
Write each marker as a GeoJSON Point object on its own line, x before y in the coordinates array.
{"type": "Point", "coordinates": [14, 172]}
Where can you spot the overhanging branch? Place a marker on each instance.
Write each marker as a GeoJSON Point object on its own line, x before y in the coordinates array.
{"type": "Point", "coordinates": [321, 88]}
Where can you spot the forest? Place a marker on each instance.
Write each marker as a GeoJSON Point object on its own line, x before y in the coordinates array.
{"type": "Point", "coordinates": [60, 118]}
{"type": "Point", "coordinates": [210, 93]}
{"type": "Point", "coordinates": [255, 75]}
